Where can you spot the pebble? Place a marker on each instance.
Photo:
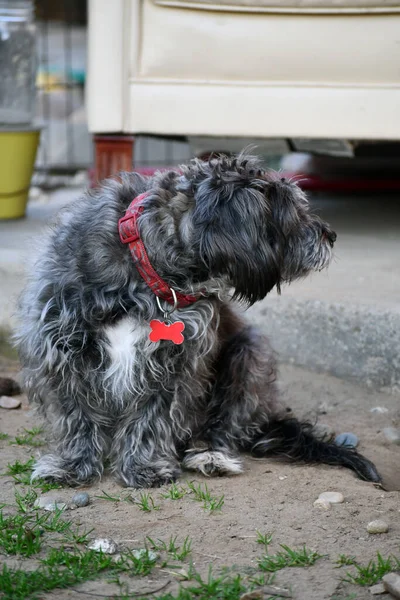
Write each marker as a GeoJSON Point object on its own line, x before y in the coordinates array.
{"type": "Point", "coordinates": [107, 546]}
{"type": "Point", "coordinates": [321, 503]}
{"type": "Point", "coordinates": [377, 527]}
{"type": "Point", "coordinates": [348, 440]}
{"type": "Point", "coordinates": [320, 430]}
{"type": "Point", "coordinates": [8, 402]}
{"type": "Point", "coordinates": [323, 408]}
{"type": "Point", "coordinates": [379, 410]}
{"type": "Point", "coordinates": [81, 499]}
{"type": "Point", "coordinates": [50, 503]}
{"type": "Point", "coordinates": [9, 387]}
{"type": "Point", "coordinates": [332, 497]}
{"type": "Point", "coordinates": [391, 583]}
{"type": "Point", "coordinates": [377, 589]}
{"type": "Point", "coordinates": [392, 435]}
{"type": "Point", "coordinates": [142, 552]}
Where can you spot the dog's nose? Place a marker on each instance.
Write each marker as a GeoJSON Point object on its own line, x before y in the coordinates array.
{"type": "Point", "coordinates": [329, 235]}
{"type": "Point", "coordinates": [332, 237]}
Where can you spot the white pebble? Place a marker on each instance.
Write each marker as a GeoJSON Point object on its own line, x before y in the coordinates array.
{"type": "Point", "coordinates": [81, 499]}
{"type": "Point", "coordinates": [320, 430]}
{"type": "Point", "coordinates": [332, 497]}
{"type": "Point", "coordinates": [103, 545]}
{"type": "Point", "coordinates": [379, 409]}
{"type": "Point", "coordinates": [392, 435]}
{"type": "Point", "coordinates": [391, 582]}
{"type": "Point", "coordinates": [8, 402]}
{"type": "Point", "coordinates": [321, 503]}
{"type": "Point", "coordinates": [377, 589]}
{"type": "Point", "coordinates": [142, 553]}
{"type": "Point", "coordinates": [377, 527]}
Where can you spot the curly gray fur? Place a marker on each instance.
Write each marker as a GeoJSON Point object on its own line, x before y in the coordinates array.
{"type": "Point", "coordinates": [107, 391]}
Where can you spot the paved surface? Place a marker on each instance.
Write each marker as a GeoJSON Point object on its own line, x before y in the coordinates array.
{"type": "Point", "coordinates": [345, 321]}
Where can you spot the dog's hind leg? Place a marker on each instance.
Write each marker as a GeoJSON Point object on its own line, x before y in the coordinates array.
{"type": "Point", "coordinates": [243, 372]}
{"type": "Point", "coordinates": [245, 414]}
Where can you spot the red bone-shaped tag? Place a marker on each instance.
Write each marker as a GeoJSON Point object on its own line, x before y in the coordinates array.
{"type": "Point", "coordinates": [165, 331]}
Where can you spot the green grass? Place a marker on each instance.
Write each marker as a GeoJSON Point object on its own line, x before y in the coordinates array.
{"type": "Point", "coordinates": [344, 559]}
{"type": "Point", "coordinates": [145, 502]}
{"type": "Point", "coordinates": [21, 472]}
{"type": "Point", "coordinates": [175, 492]}
{"type": "Point", "coordinates": [264, 539]}
{"type": "Point", "coordinates": [4, 436]}
{"type": "Point", "coordinates": [202, 494]}
{"type": "Point", "coordinates": [30, 438]}
{"type": "Point", "coordinates": [288, 558]}
{"type": "Point", "coordinates": [372, 572]}
{"type": "Point", "coordinates": [30, 531]}
{"type": "Point", "coordinates": [176, 552]}
{"type": "Point", "coordinates": [25, 501]}
{"type": "Point", "coordinates": [62, 569]}
{"type": "Point", "coordinates": [22, 534]}
{"type": "Point", "coordinates": [209, 588]}
{"type": "Point", "coordinates": [106, 496]}
{"type": "Point", "coordinates": [19, 468]}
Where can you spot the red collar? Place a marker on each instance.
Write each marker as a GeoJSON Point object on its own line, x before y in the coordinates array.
{"type": "Point", "coordinates": [129, 234]}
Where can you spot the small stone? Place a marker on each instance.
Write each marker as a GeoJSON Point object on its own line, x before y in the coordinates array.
{"type": "Point", "coordinates": [332, 497]}
{"type": "Point", "coordinates": [323, 408]}
{"type": "Point", "coordinates": [50, 503]}
{"type": "Point", "coordinates": [9, 387]}
{"type": "Point", "coordinates": [8, 402]}
{"type": "Point", "coordinates": [391, 583]}
{"type": "Point", "coordinates": [392, 435]}
{"type": "Point", "coordinates": [377, 526]}
{"type": "Point", "coordinates": [282, 477]}
{"type": "Point", "coordinates": [103, 545]}
{"type": "Point", "coordinates": [81, 499]}
{"type": "Point", "coordinates": [348, 440]}
{"type": "Point", "coordinates": [321, 503]}
{"type": "Point", "coordinates": [143, 552]}
{"type": "Point", "coordinates": [379, 410]}
{"type": "Point", "coordinates": [377, 589]}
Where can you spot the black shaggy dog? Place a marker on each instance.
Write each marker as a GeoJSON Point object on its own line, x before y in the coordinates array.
{"type": "Point", "coordinates": [129, 344]}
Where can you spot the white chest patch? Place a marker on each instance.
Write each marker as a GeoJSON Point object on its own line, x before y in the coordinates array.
{"type": "Point", "coordinates": [126, 341]}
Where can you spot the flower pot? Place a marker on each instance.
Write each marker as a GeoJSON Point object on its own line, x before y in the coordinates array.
{"type": "Point", "coordinates": [18, 148]}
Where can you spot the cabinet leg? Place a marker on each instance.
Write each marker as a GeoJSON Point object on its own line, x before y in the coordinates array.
{"type": "Point", "coordinates": [112, 154]}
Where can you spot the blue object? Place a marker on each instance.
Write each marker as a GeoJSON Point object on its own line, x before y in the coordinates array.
{"type": "Point", "coordinates": [349, 440]}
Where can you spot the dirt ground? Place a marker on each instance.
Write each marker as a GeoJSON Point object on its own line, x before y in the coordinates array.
{"type": "Point", "coordinates": [269, 497]}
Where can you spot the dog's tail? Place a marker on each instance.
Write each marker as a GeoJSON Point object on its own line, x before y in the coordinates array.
{"type": "Point", "coordinates": [295, 440]}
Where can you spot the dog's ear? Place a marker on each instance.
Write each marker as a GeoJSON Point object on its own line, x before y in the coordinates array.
{"type": "Point", "coordinates": [233, 234]}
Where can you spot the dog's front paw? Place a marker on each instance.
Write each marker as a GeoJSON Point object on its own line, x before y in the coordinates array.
{"type": "Point", "coordinates": [55, 468]}
{"type": "Point", "coordinates": [212, 462]}
{"type": "Point", "coordinates": [146, 477]}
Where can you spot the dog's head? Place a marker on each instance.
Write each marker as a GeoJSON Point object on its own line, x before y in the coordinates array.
{"type": "Point", "coordinates": [251, 227]}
